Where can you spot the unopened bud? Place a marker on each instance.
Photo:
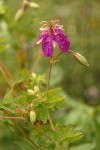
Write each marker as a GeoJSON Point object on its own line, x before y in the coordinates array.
{"type": "Point", "coordinates": [32, 116]}
{"type": "Point", "coordinates": [31, 92]}
{"type": "Point", "coordinates": [21, 11]}
{"type": "Point", "coordinates": [34, 75]}
{"type": "Point", "coordinates": [33, 4]}
{"type": "Point", "coordinates": [36, 89]}
{"type": "Point", "coordinates": [80, 59]}
{"type": "Point", "coordinates": [19, 14]}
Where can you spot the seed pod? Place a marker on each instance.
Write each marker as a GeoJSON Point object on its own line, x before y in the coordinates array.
{"type": "Point", "coordinates": [36, 89]}
{"type": "Point", "coordinates": [31, 92]}
{"type": "Point", "coordinates": [80, 59]}
{"type": "Point", "coordinates": [32, 116]}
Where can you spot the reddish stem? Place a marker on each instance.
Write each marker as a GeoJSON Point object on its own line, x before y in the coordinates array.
{"type": "Point", "coordinates": [8, 81]}
{"type": "Point", "coordinates": [6, 70]}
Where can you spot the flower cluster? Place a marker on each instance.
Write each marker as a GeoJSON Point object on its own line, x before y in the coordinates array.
{"type": "Point", "coordinates": [52, 33]}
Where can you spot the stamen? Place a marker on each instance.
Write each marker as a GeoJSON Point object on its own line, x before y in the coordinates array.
{"type": "Point", "coordinates": [56, 21]}
{"type": "Point", "coordinates": [44, 29]}
{"type": "Point", "coordinates": [54, 44]}
{"type": "Point", "coordinates": [45, 25]}
{"type": "Point", "coordinates": [42, 22]}
{"type": "Point", "coordinates": [51, 23]}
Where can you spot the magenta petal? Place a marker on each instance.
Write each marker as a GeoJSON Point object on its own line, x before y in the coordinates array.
{"type": "Point", "coordinates": [62, 41]}
{"type": "Point", "coordinates": [58, 30]}
{"type": "Point", "coordinates": [47, 46]}
{"type": "Point", "coordinates": [40, 37]}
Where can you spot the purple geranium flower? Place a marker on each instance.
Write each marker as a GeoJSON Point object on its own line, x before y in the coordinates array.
{"type": "Point", "coordinates": [50, 34]}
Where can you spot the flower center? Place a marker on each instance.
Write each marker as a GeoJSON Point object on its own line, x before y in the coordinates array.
{"type": "Point", "coordinates": [51, 25]}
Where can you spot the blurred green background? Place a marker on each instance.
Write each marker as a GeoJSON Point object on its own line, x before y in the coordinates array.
{"type": "Point", "coordinates": [81, 20]}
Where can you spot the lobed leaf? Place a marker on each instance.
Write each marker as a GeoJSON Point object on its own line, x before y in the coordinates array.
{"type": "Point", "coordinates": [86, 146]}
{"type": "Point", "coordinates": [8, 97]}
{"type": "Point", "coordinates": [66, 134]}
{"type": "Point", "coordinates": [24, 144]}
{"type": "Point", "coordinates": [55, 99]}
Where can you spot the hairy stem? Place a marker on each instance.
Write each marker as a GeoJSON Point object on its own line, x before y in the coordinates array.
{"type": "Point", "coordinates": [6, 70]}
{"type": "Point", "coordinates": [6, 117]}
{"type": "Point", "coordinates": [57, 57]}
{"type": "Point", "coordinates": [49, 75]}
{"type": "Point", "coordinates": [48, 85]}
{"type": "Point", "coordinates": [71, 52]}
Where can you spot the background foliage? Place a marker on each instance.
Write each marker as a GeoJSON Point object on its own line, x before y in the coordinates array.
{"type": "Point", "coordinates": [80, 85]}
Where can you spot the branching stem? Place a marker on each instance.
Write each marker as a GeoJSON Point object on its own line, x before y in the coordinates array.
{"type": "Point", "coordinates": [17, 126]}
{"type": "Point", "coordinates": [21, 118]}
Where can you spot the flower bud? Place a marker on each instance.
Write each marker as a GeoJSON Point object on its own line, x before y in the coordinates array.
{"type": "Point", "coordinates": [34, 75]}
{"type": "Point", "coordinates": [19, 14]}
{"type": "Point", "coordinates": [80, 59]}
{"type": "Point", "coordinates": [33, 4]}
{"type": "Point", "coordinates": [36, 89]}
{"type": "Point", "coordinates": [32, 116]}
{"type": "Point", "coordinates": [31, 92]}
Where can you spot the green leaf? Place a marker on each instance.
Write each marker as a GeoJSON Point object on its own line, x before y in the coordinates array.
{"type": "Point", "coordinates": [23, 98]}
{"type": "Point", "coordinates": [54, 91]}
{"type": "Point", "coordinates": [9, 107]}
{"type": "Point", "coordinates": [49, 147]}
{"type": "Point", "coordinates": [53, 146]}
{"type": "Point", "coordinates": [3, 45]}
{"type": "Point", "coordinates": [48, 144]}
{"type": "Point", "coordinates": [43, 114]}
{"type": "Point", "coordinates": [2, 8]}
{"type": "Point", "coordinates": [8, 98]}
{"type": "Point", "coordinates": [24, 144]}
{"type": "Point", "coordinates": [21, 77]}
{"type": "Point", "coordinates": [39, 102]}
{"type": "Point", "coordinates": [55, 99]}
{"type": "Point", "coordinates": [60, 147]}
{"type": "Point", "coordinates": [87, 146]}
{"type": "Point", "coordinates": [66, 134]}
